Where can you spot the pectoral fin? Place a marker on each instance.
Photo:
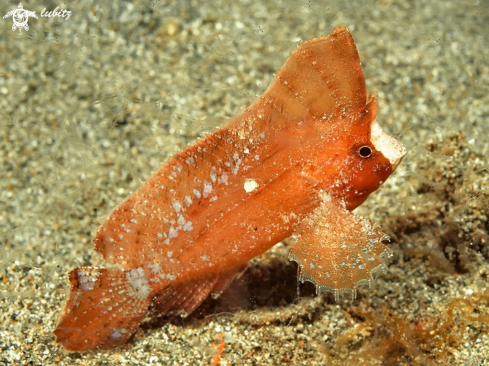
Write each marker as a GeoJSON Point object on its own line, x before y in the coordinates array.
{"type": "Point", "coordinates": [337, 250]}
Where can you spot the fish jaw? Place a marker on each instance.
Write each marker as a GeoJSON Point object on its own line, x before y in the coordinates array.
{"type": "Point", "coordinates": [391, 148]}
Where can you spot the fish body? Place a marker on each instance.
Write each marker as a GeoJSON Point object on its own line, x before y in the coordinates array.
{"type": "Point", "coordinates": [297, 161]}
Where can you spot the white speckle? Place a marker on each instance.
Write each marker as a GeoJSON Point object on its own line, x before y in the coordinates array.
{"type": "Point", "coordinates": [246, 151]}
{"type": "Point", "coordinates": [155, 267]}
{"type": "Point", "coordinates": [236, 167]}
{"type": "Point", "coordinates": [159, 235]}
{"type": "Point", "coordinates": [235, 156]}
{"type": "Point", "coordinates": [126, 229]}
{"type": "Point", "coordinates": [177, 206]}
{"type": "Point", "coordinates": [311, 265]}
{"type": "Point", "coordinates": [181, 220]}
{"type": "Point", "coordinates": [204, 258]}
{"type": "Point", "coordinates": [227, 163]}
{"type": "Point", "coordinates": [188, 201]}
{"type": "Point", "coordinates": [250, 185]}
{"type": "Point", "coordinates": [139, 284]}
{"type": "Point", "coordinates": [121, 236]}
{"type": "Point", "coordinates": [257, 157]}
{"type": "Point", "coordinates": [190, 160]}
{"type": "Point", "coordinates": [213, 177]}
{"type": "Point", "coordinates": [174, 174]}
{"type": "Point", "coordinates": [196, 193]}
{"type": "Point", "coordinates": [179, 168]}
{"type": "Point", "coordinates": [87, 279]}
{"type": "Point", "coordinates": [172, 233]}
{"type": "Point", "coordinates": [116, 334]}
{"type": "Point", "coordinates": [169, 254]}
{"type": "Point", "coordinates": [262, 135]}
{"type": "Point", "coordinates": [188, 226]}
{"type": "Point", "coordinates": [134, 221]}
{"type": "Point", "coordinates": [207, 189]}
{"type": "Point", "coordinates": [224, 178]}
{"type": "Point", "coordinates": [213, 198]}
{"type": "Point", "coordinates": [168, 276]}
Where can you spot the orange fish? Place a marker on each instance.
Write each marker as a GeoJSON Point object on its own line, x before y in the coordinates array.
{"type": "Point", "coordinates": [304, 155]}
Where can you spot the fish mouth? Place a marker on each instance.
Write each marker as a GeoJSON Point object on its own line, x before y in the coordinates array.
{"type": "Point", "coordinates": [391, 148]}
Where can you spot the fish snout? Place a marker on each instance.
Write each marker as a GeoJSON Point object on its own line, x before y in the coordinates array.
{"type": "Point", "coordinates": [391, 148]}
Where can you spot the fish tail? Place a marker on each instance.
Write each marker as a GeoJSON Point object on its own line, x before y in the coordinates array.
{"type": "Point", "coordinates": [104, 309]}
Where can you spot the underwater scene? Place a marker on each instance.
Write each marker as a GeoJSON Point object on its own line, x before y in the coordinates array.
{"type": "Point", "coordinates": [244, 182]}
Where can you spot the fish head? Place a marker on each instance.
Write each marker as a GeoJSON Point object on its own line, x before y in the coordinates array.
{"type": "Point", "coordinates": [365, 157]}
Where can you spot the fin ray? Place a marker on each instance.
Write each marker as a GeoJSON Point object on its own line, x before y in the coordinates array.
{"type": "Point", "coordinates": [185, 297]}
{"type": "Point", "coordinates": [103, 309]}
{"type": "Point", "coordinates": [337, 250]}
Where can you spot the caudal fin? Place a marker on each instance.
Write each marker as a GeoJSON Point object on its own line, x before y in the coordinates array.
{"type": "Point", "coordinates": [104, 309]}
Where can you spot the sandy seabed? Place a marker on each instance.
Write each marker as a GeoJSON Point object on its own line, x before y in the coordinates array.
{"type": "Point", "coordinates": [92, 105]}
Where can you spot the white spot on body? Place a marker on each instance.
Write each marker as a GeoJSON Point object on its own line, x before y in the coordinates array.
{"type": "Point", "coordinates": [155, 267]}
{"type": "Point", "coordinates": [181, 220]}
{"type": "Point", "coordinates": [188, 201]}
{"type": "Point", "coordinates": [172, 233]}
{"type": "Point", "coordinates": [177, 206]}
{"type": "Point", "coordinates": [188, 226]}
{"type": "Point", "coordinates": [196, 193]}
{"type": "Point", "coordinates": [116, 334]}
{"type": "Point", "coordinates": [207, 189]}
{"type": "Point", "coordinates": [250, 185]}
{"type": "Point", "coordinates": [204, 258]}
{"type": "Point", "coordinates": [236, 167]}
{"type": "Point", "coordinates": [169, 254]}
{"type": "Point", "coordinates": [224, 178]}
{"type": "Point", "coordinates": [139, 284]}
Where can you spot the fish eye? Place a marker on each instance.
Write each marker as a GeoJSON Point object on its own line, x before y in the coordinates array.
{"type": "Point", "coordinates": [365, 151]}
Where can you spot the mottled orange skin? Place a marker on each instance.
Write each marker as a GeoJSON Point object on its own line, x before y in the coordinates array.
{"type": "Point", "coordinates": [300, 138]}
